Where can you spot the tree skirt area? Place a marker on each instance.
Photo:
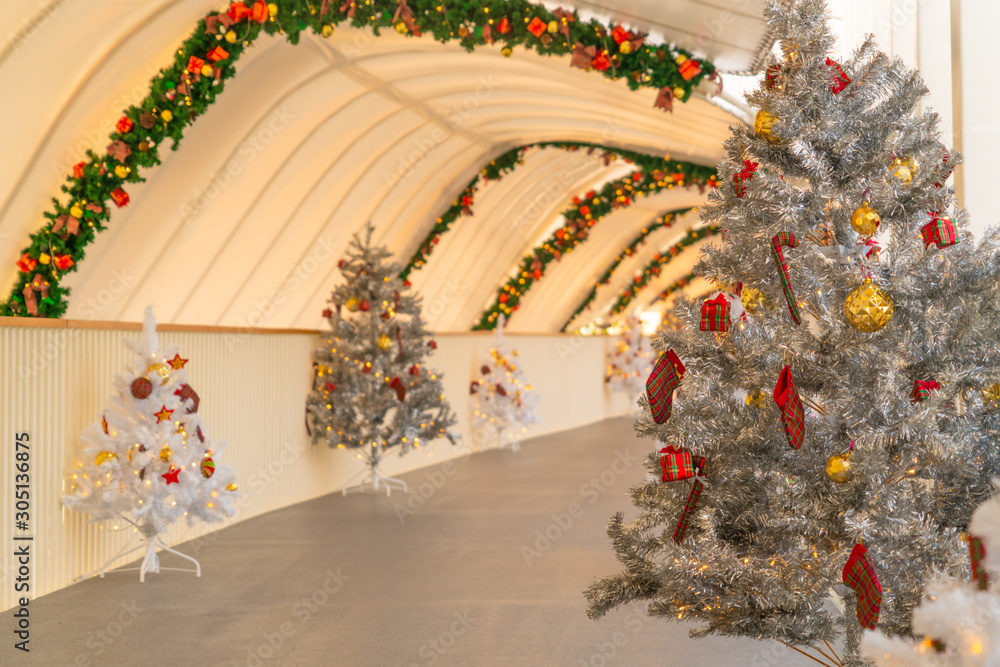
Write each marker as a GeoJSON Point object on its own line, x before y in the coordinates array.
{"type": "Point", "coordinates": [484, 563]}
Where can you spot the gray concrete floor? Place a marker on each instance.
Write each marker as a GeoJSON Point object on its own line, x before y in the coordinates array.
{"type": "Point", "coordinates": [457, 578]}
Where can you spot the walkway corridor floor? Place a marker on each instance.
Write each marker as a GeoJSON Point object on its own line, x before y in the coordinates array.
{"type": "Point", "coordinates": [488, 569]}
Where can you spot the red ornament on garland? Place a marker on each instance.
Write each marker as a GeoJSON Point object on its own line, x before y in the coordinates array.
{"type": "Point", "coordinates": [195, 64]}
{"type": "Point", "coordinates": [238, 11]}
{"type": "Point", "coordinates": [536, 27]}
{"type": "Point", "coordinates": [123, 125]}
{"type": "Point", "coordinates": [78, 170]}
{"type": "Point", "coordinates": [217, 54]}
{"type": "Point", "coordinates": [26, 263]}
{"type": "Point", "coordinates": [504, 27]}
{"type": "Point", "coordinates": [120, 197]}
{"type": "Point", "coordinates": [259, 12]}
{"type": "Point", "coordinates": [141, 388]}
{"type": "Point", "coordinates": [601, 61]}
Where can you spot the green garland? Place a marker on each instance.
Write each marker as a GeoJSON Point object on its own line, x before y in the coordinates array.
{"type": "Point", "coordinates": [179, 94]}
{"type": "Point", "coordinates": [653, 174]}
{"type": "Point", "coordinates": [496, 169]}
{"type": "Point", "coordinates": [653, 268]}
{"type": "Point", "coordinates": [666, 220]}
{"type": "Point", "coordinates": [680, 284]}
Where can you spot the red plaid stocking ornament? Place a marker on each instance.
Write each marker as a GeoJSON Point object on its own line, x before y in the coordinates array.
{"type": "Point", "coordinates": [792, 414]}
{"type": "Point", "coordinates": [859, 574]}
{"type": "Point", "coordinates": [666, 376]}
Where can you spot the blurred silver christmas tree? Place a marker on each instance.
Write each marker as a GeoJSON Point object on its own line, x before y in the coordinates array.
{"type": "Point", "coordinates": [831, 444]}
{"type": "Point", "coordinates": [371, 391]}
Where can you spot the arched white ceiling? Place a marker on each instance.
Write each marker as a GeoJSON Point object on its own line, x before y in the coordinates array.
{"type": "Point", "coordinates": [243, 224]}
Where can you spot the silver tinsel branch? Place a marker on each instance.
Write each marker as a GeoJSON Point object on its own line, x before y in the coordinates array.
{"type": "Point", "coordinates": [371, 389]}
{"type": "Point", "coordinates": [771, 532]}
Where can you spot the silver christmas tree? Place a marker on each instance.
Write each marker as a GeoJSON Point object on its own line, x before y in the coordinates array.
{"type": "Point", "coordinates": [372, 391]}
{"type": "Point", "coordinates": [830, 445]}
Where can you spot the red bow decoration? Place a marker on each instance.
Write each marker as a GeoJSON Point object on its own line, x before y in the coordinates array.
{"type": "Point", "coordinates": [564, 18]}
{"type": "Point", "coordinates": [71, 224]}
{"type": "Point", "coordinates": [743, 176]}
{"type": "Point", "coordinates": [859, 574]}
{"type": "Point", "coordinates": [583, 56]}
{"type": "Point", "coordinates": [922, 389]}
{"type": "Point", "coordinates": [664, 100]}
{"type": "Point", "coordinates": [840, 80]}
{"type": "Point", "coordinates": [349, 8]}
{"type": "Point", "coordinates": [212, 22]}
{"type": "Point", "coordinates": [39, 285]}
{"type": "Point", "coordinates": [680, 464]}
{"type": "Point", "coordinates": [405, 14]}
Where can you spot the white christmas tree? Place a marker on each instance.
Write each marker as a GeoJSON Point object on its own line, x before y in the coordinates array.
{"type": "Point", "coordinates": [628, 365]}
{"type": "Point", "coordinates": [147, 461]}
{"type": "Point", "coordinates": [502, 397]}
{"type": "Point", "coordinates": [960, 619]}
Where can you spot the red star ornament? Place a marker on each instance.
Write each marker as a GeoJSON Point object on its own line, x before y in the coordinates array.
{"type": "Point", "coordinates": [171, 476]}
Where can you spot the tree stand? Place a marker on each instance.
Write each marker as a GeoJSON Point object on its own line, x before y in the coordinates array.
{"type": "Point", "coordinates": [374, 479]}
{"type": "Point", "coordinates": [513, 443]}
{"type": "Point", "coordinates": [151, 562]}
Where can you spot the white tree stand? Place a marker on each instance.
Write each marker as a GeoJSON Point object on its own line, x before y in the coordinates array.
{"type": "Point", "coordinates": [374, 479]}
{"type": "Point", "coordinates": [151, 563]}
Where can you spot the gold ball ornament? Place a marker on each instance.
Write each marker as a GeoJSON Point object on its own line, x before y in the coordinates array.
{"type": "Point", "coordinates": [76, 211]}
{"type": "Point", "coordinates": [272, 9]}
{"type": "Point", "coordinates": [903, 170]}
{"type": "Point", "coordinates": [207, 70]}
{"type": "Point", "coordinates": [121, 171]}
{"type": "Point", "coordinates": [763, 125]}
{"type": "Point", "coordinates": [401, 28]}
{"type": "Point", "coordinates": [384, 342]}
{"type": "Point", "coordinates": [327, 31]}
{"type": "Point", "coordinates": [231, 37]}
{"type": "Point", "coordinates": [352, 304]}
{"type": "Point", "coordinates": [752, 299]}
{"type": "Point", "coordinates": [105, 457]}
{"type": "Point", "coordinates": [161, 370]}
{"type": "Point", "coordinates": [625, 47]}
{"type": "Point", "coordinates": [868, 308]}
{"type": "Point", "coordinates": [506, 52]}
{"type": "Point", "coordinates": [865, 220]}
{"type": "Point", "coordinates": [553, 27]}
{"type": "Point", "coordinates": [839, 468]}
{"type": "Point", "coordinates": [166, 453]}
{"type": "Point", "coordinates": [232, 487]}
{"type": "Point", "coordinates": [167, 115]}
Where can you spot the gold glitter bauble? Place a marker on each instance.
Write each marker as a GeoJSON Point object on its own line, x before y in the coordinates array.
{"type": "Point", "coordinates": [903, 170]}
{"type": "Point", "coordinates": [991, 394]}
{"type": "Point", "coordinates": [166, 453]}
{"type": "Point", "coordinates": [384, 342]}
{"type": "Point", "coordinates": [752, 299]}
{"type": "Point", "coordinates": [838, 468]}
{"type": "Point", "coordinates": [162, 370]}
{"type": "Point", "coordinates": [865, 220]}
{"type": "Point", "coordinates": [401, 28]}
{"type": "Point", "coordinates": [763, 125]}
{"type": "Point", "coordinates": [867, 308]}
{"type": "Point", "coordinates": [104, 457]}
{"type": "Point", "coordinates": [232, 487]}
{"type": "Point", "coordinates": [352, 304]}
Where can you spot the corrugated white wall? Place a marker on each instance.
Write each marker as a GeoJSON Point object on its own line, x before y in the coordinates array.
{"type": "Point", "coordinates": [55, 379]}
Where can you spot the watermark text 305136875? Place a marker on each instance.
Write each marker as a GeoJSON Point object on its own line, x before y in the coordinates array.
{"type": "Point", "coordinates": [22, 540]}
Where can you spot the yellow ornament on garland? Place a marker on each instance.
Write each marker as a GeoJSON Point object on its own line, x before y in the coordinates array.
{"type": "Point", "coordinates": [105, 457]}
{"type": "Point", "coordinates": [327, 31]}
{"type": "Point", "coordinates": [121, 171]}
{"type": "Point", "coordinates": [167, 115]}
{"type": "Point", "coordinates": [352, 304]}
{"type": "Point", "coordinates": [903, 170]}
{"type": "Point", "coordinates": [401, 28]}
{"type": "Point", "coordinates": [763, 125]}
{"type": "Point", "coordinates": [868, 308]}
{"type": "Point", "coordinates": [506, 52]}
{"type": "Point", "coordinates": [839, 468]}
{"type": "Point", "coordinates": [865, 220]}
{"type": "Point", "coordinates": [384, 342]}
{"type": "Point", "coordinates": [625, 47]}
{"type": "Point", "coordinates": [231, 36]}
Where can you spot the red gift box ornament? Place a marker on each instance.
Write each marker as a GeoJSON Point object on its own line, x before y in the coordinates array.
{"type": "Point", "coordinates": [195, 64]}
{"type": "Point", "coordinates": [922, 389]}
{"type": "Point", "coordinates": [771, 77]}
{"type": "Point", "coordinates": [62, 262]}
{"type": "Point", "coordinates": [715, 314]}
{"type": "Point", "coordinates": [666, 376]}
{"type": "Point", "coordinates": [26, 263]}
{"type": "Point", "coordinates": [601, 61]}
{"type": "Point", "coordinates": [689, 69]}
{"type": "Point", "coordinates": [120, 197]}
{"type": "Point", "coordinates": [839, 79]}
{"type": "Point", "coordinates": [792, 415]}
{"type": "Point", "coordinates": [259, 12]}
{"type": "Point", "coordinates": [780, 239]}
{"type": "Point", "coordinates": [238, 11]}
{"type": "Point", "coordinates": [536, 27]}
{"type": "Point", "coordinates": [680, 464]}
{"type": "Point", "coordinates": [940, 231]}
{"type": "Point", "coordinates": [124, 124]}
{"type": "Point", "coordinates": [504, 26]}
{"type": "Point", "coordinates": [744, 175]}
{"type": "Point", "coordinates": [217, 54]}
{"type": "Point", "coordinates": [859, 574]}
